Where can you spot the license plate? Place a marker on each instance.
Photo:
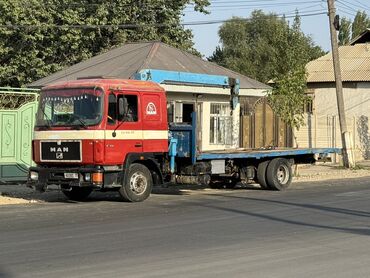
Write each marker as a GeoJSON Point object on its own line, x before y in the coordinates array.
{"type": "Point", "coordinates": [71, 175]}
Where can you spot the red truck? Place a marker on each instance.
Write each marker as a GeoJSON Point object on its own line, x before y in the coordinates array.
{"type": "Point", "coordinates": [110, 134]}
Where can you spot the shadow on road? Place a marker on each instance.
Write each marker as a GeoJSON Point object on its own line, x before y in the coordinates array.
{"type": "Point", "coordinates": [318, 208]}
{"type": "Point", "coordinates": [56, 196]}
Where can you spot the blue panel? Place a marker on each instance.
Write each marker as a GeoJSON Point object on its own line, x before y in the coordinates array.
{"type": "Point", "coordinates": [163, 76]}
{"type": "Point", "coordinates": [186, 138]}
{"type": "Point", "coordinates": [183, 134]}
{"type": "Point", "coordinates": [267, 153]}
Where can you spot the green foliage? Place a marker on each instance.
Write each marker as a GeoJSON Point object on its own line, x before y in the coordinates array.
{"type": "Point", "coordinates": [344, 35]}
{"type": "Point", "coordinates": [266, 47]}
{"type": "Point", "coordinates": [350, 30]}
{"type": "Point", "coordinates": [360, 23]}
{"type": "Point", "coordinates": [288, 97]}
{"type": "Point", "coordinates": [39, 40]}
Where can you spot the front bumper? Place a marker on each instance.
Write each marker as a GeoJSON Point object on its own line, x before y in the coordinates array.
{"type": "Point", "coordinates": [76, 177]}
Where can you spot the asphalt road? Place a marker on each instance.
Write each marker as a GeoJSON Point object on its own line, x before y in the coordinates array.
{"type": "Point", "coordinates": [311, 230]}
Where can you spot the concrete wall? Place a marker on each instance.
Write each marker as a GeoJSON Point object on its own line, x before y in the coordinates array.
{"type": "Point", "coordinates": [322, 127]}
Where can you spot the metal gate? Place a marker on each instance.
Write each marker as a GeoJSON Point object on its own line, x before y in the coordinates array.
{"type": "Point", "coordinates": [17, 118]}
{"type": "Point", "coordinates": [261, 127]}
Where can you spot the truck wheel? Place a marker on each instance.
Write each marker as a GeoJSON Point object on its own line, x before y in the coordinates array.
{"type": "Point", "coordinates": [279, 174]}
{"type": "Point", "coordinates": [138, 185]}
{"type": "Point", "coordinates": [261, 174]}
{"type": "Point", "coordinates": [77, 193]}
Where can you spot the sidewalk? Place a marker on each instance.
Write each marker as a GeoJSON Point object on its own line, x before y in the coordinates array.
{"type": "Point", "coordinates": [327, 171]}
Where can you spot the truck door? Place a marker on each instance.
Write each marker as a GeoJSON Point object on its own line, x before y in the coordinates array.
{"type": "Point", "coordinates": [155, 129]}
{"type": "Point", "coordinates": [124, 134]}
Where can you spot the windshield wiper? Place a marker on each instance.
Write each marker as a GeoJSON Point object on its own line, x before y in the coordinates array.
{"type": "Point", "coordinates": [82, 123]}
{"type": "Point", "coordinates": [48, 121]}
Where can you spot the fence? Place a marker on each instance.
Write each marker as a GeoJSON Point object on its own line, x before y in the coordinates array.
{"type": "Point", "coordinates": [324, 131]}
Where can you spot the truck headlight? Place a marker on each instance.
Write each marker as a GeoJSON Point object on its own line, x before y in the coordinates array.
{"type": "Point", "coordinates": [87, 177]}
{"type": "Point", "coordinates": [34, 176]}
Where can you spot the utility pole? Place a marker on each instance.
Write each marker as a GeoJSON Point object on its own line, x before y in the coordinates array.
{"type": "Point", "coordinates": [348, 160]}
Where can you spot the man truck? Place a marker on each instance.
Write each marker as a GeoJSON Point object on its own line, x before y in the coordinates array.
{"type": "Point", "coordinates": [113, 134]}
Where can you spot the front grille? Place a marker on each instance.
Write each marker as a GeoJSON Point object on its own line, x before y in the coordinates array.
{"type": "Point", "coordinates": [62, 151]}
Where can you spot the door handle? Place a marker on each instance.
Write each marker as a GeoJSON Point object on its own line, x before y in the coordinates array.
{"type": "Point", "coordinates": [138, 145]}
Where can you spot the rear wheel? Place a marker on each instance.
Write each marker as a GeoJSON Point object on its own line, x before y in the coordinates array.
{"type": "Point", "coordinates": [138, 184]}
{"type": "Point", "coordinates": [261, 174]}
{"type": "Point", "coordinates": [279, 174]}
{"type": "Point", "coordinates": [77, 193]}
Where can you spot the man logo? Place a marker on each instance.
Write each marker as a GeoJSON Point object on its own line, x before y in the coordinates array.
{"type": "Point", "coordinates": [59, 149]}
{"type": "Point", "coordinates": [59, 155]}
{"type": "Point", "coordinates": [151, 109]}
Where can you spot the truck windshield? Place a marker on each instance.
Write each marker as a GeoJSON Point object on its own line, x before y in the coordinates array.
{"type": "Point", "coordinates": [70, 107]}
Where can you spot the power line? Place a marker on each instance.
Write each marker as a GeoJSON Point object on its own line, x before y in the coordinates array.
{"type": "Point", "coordinates": [305, 8]}
{"type": "Point", "coordinates": [289, 3]}
{"type": "Point", "coordinates": [345, 12]}
{"type": "Point", "coordinates": [362, 5]}
{"type": "Point", "coordinates": [133, 26]}
{"type": "Point", "coordinates": [343, 2]}
{"type": "Point", "coordinates": [347, 6]}
{"type": "Point", "coordinates": [256, 6]}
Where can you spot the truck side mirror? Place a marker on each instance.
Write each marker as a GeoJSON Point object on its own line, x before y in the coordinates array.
{"type": "Point", "coordinates": [122, 107]}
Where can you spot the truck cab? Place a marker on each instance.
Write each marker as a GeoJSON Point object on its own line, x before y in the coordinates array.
{"type": "Point", "coordinates": [87, 131]}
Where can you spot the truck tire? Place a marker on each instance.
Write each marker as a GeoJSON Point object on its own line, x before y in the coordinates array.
{"type": "Point", "coordinates": [261, 174]}
{"type": "Point", "coordinates": [138, 184]}
{"type": "Point", "coordinates": [279, 174]}
{"type": "Point", "coordinates": [77, 193]}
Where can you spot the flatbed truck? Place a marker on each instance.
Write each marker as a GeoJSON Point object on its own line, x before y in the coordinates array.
{"type": "Point", "coordinates": [113, 134]}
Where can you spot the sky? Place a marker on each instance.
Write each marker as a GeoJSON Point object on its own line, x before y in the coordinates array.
{"type": "Point", "coordinates": [314, 19]}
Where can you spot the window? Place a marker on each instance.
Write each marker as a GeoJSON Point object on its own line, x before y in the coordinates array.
{"type": "Point", "coordinates": [132, 114]}
{"type": "Point", "coordinates": [170, 112]}
{"type": "Point", "coordinates": [130, 101]}
{"type": "Point", "coordinates": [183, 112]}
{"type": "Point", "coordinates": [308, 107]}
{"type": "Point", "coordinates": [220, 124]}
{"type": "Point", "coordinates": [70, 107]}
{"type": "Point", "coordinates": [187, 110]}
{"type": "Point", "coordinates": [112, 109]}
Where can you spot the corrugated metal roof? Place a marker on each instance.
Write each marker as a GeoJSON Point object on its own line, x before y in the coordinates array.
{"type": "Point", "coordinates": [362, 38]}
{"type": "Point", "coordinates": [125, 61]}
{"type": "Point", "coordinates": [354, 62]}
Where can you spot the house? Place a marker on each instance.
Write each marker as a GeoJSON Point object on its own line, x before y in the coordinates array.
{"type": "Point", "coordinates": [203, 92]}
{"type": "Point", "coordinates": [322, 124]}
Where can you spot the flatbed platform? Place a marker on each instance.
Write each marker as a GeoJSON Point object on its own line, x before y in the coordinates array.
{"type": "Point", "coordinates": [264, 153]}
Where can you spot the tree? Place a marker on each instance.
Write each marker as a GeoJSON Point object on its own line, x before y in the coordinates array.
{"type": "Point", "coordinates": [40, 37]}
{"type": "Point", "coordinates": [288, 97]}
{"type": "Point", "coordinates": [266, 47]}
{"type": "Point", "coordinates": [360, 23]}
{"type": "Point", "coordinates": [349, 30]}
{"type": "Point", "coordinates": [344, 35]}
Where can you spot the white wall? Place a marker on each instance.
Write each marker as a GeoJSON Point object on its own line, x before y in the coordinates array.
{"type": "Point", "coordinates": [205, 101]}
{"type": "Point", "coordinates": [211, 95]}
{"type": "Point", "coordinates": [322, 129]}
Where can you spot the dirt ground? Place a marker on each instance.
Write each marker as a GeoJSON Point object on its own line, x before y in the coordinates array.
{"type": "Point", "coordinates": [4, 200]}
{"type": "Point", "coordinates": [12, 194]}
